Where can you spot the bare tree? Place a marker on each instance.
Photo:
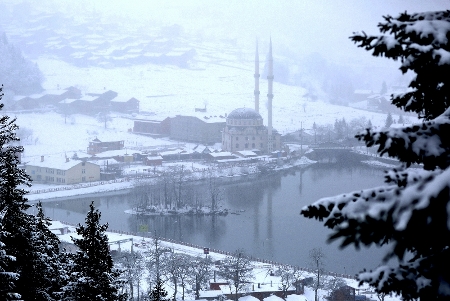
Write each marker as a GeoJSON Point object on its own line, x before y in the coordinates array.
{"type": "Point", "coordinates": [237, 270]}
{"type": "Point", "coordinates": [381, 296]}
{"type": "Point", "coordinates": [317, 256]}
{"type": "Point", "coordinates": [289, 277]}
{"type": "Point", "coordinates": [104, 117]}
{"type": "Point", "coordinates": [334, 283]}
{"type": "Point", "coordinates": [214, 191]}
{"type": "Point", "coordinates": [179, 177]}
{"type": "Point", "coordinates": [133, 265]}
{"type": "Point", "coordinates": [176, 269]}
{"type": "Point", "coordinates": [155, 259]}
{"type": "Point", "coordinates": [24, 133]}
{"type": "Point", "coordinates": [200, 273]}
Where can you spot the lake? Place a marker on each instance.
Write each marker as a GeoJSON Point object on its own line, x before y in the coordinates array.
{"type": "Point", "coordinates": [264, 218]}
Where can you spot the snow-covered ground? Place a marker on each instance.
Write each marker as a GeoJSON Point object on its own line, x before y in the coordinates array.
{"type": "Point", "coordinates": [169, 90]}
{"type": "Point", "coordinates": [46, 192]}
{"type": "Point", "coordinates": [261, 270]}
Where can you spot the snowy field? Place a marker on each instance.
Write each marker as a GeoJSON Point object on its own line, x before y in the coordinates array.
{"type": "Point", "coordinates": [169, 90]}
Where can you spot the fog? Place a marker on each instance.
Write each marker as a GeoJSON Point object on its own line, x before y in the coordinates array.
{"type": "Point", "coordinates": [311, 47]}
{"type": "Point", "coordinates": [306, 34]}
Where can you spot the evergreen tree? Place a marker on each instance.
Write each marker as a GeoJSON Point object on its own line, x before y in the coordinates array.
{"type": "Point", "coordinates": [42, 276]}
{"type": "Point", "coordinates": [93, 276]}
{"type": "Point", "coordinates": [158, 292]}
{"type": "Point", "coordinates": [7, 278]}
{"type": "Point", "coordinates": [411, 213]}
{"type": "Point", "coordinates": [20, 229]}
{"type": "Point", "coordinates": [401, 120]}
{"type": "Point", "coordinates": [18, 74]}
{"type": "Point", "coordinates": [389, 121]}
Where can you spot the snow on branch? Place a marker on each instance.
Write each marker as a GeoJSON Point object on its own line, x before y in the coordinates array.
{"type": "Point", "coordinates": [427, 143]}
{"type": "Point", "coordinates": [420, 42]}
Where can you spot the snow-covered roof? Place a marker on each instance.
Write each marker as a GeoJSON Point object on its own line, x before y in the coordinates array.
{"type": "Point", "coordinates": [248, 298]}
{"type": "Point", "coordinates": [88, 98]}
{"type": "Point", "coordinates": [294, 297]}
{"type": "Point", "coordinates": [121, 99]}
{"type": "Point", "coordinates": [118, 152]}
{"type": "Point", "coordinates": [172, 152]}
{"type": "Point", "coordinates": [104, 162]}
{"type": "Point", "coordinates": [58, 162]}
{"type": "Point", "coordinates": [246, 153]}
{"type": "Point", "coordinates": [273, 298]}
{"type": "Point", "coordinates": [244, 113]}
{"type": "Point", "coordinates": [154, 158]}
{"type": "Point", "coordinates": [67, 100]}
{"type": "Point", "coordinates": [221, 154]}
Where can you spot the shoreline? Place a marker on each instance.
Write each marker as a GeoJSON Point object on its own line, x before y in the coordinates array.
{"type": "Point", "coordinates": [119, 186]}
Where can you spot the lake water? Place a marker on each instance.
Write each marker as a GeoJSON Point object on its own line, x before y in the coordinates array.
{"type": "Point", "coordinates": [265, 222]}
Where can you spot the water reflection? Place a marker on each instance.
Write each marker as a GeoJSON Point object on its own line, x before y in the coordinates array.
{"type": "Point", "coordinates": [265, 218]}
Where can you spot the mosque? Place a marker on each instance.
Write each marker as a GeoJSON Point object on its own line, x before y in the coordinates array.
{"type": "Point", "coordinates": [244, 128]}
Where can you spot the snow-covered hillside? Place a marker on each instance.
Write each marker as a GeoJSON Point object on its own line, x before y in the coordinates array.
{"type": "Point", "coordinates": [169, 90]}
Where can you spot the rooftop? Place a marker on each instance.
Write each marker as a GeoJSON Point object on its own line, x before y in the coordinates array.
{"type": "Point", "coordinates": [244, 113]}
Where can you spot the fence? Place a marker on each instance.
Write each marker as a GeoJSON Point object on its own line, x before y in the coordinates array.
{"type": "Point", "coordinates": [251, 258]}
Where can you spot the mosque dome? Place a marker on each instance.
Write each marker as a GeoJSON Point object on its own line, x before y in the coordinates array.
{"type": "Point", "coordinates": [244, 113]}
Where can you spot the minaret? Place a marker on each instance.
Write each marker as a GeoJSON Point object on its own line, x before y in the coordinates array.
{"type": "Point", "coordinates": [256, 92]}
{"type": "Point", "coordinates": [269, 98]}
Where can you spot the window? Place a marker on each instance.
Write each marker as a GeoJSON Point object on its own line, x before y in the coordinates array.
{"type": "Point", "coordinates": [39, 177]}
{"type": "Point", "coordinates": [246, 145]}
{"type": "Point", "coordinates": [83, 170]}
{"type": "Point", "coordinates": [83, 179]}
{"type": "Point", "coordinates": [246, 138]}
{"type": "Point", "coordinates": [237, 138]}
{"type": "Point", "coordinates": [237, 145]}
{"type": "Point", "coordinates": [253, 145]}
{"type": "Point", "coordinates": [253, 138]}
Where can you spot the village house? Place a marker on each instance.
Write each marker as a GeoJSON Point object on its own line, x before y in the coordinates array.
{"type": "Point", "coordinates": [61, 170]}
{"type": "Point", "coordinates": [154, 127]}
{"type": "Point", "coordinates": [344, 293]}
{"type": "Point", "coordinates": [125, 105]}
{"type": "Point", "coordinates": [45, 98]}
{"type": "Point", "coordinates": [246, 154]}
{"type": "Point", "coordinates": [205, 130]}
{"type": "Point", "coordinates": [92, 103]}
{"type": "Point", "coordinates": [120, 155]}
{"type": "Point", "coordinates": [259, 291]}
{"type": "Point", "coordinates": [221, 156]}
{"type": "Point", "coordinates": [153, 160]}
{"type": "Point", "coordinates": [96, 146]}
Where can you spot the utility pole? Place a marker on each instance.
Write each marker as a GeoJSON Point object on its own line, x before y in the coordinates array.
{"type": "Point", "coordinates": [301, 138]}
